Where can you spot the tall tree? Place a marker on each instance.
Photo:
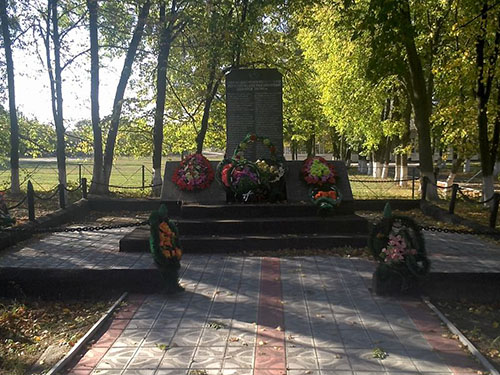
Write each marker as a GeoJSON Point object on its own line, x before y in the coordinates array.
{"type": "Point", "coordinates": [14, 126]}
{"type": "Point", "coordinates": [120, 91]}
{"type": "Point", "coordinates": [486, 72]}
{"type": "Point", "coordinates": [168, 30]}
{"type": "Point", "coordinates": [92, 7]}
{"type": "Point", "coordinates": [54, 69]}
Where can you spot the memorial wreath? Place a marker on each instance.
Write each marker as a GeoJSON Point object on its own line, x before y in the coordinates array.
{"type": "Point", "coordinates": [397, 243]}
{"type": "Point", "coordinates": [193, 173]}
{"type": "Point", "coordinates": [253, 181]}
{"type": "Point", "coordinates": [165, 248]}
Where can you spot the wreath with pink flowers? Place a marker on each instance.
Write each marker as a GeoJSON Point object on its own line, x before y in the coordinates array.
{"type": "Point", "coordinates": [193, 173]}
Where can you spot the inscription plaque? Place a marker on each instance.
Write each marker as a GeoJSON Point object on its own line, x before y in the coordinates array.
{"type": "Point", "coordinates": [254, 104]}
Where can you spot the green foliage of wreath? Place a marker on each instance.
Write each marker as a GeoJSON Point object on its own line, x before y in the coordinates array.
{"type": "Point", "coordinates": [412, 265]}
{"type": "Point", "coordinates": [166, 256]}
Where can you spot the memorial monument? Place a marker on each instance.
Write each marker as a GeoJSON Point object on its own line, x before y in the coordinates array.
{"type": "Point", "coordinates": [254, 105]}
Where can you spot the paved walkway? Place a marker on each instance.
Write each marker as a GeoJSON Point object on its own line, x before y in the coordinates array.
{"type": "Point", "coordinates": [264, 316]}
{"type": "Point", "coordinates": [99, 250]}
{"type": "Point", "coordinates": [270, 316]}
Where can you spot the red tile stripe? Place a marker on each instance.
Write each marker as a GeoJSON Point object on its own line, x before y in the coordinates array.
{"type": "Point", "coordinates": [447, 348]}
{"type": "Point", "coordinates": [89, 360]}
{"type": "Point", "coordinates": [270, 345]}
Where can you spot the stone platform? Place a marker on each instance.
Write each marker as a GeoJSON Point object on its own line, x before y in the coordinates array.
{"type": "Point", "coordinates": [244, 227]}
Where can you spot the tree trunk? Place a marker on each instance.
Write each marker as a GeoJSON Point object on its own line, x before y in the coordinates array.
{"type": "Point", "coordinates": [212, 87]}
{"type": "Point", "coordinates": [405, 142]}
{"type": "Point", "coordinates": [14, 126]}
{"type": "Point", "coordinates": [97, 177]}
{"type": "Point", "coordinates": [466, 168]}
{"type": "Point", "coordinates": [161, 89]}
{"type": "Point", "coordinates": [483, 91]}
{"type": "Point", "coordinates": [455, 167]}
{"type": "Point", "coordinates": [362, 164]}
{"type": "Point", "coordinates": [421, 102]}
{"type": "Point", "coordinates": [397, 168]}
{"type": "Point", "coordinates": [59, 119]}
{"type": "Point", "coordinates": [56, 85]}
{"type": "Point", "coordinates": [403, 175]}
{"type": "Point", "coordinates": [120, 91]}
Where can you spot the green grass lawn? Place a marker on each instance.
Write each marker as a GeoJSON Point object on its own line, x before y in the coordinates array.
{"type": "Point", "coordinates": [43, 172]}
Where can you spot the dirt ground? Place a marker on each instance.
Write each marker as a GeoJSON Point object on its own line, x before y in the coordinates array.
{"type": "Point", "coordinates": [35, 334]}
{"type": "Point", "coordinates": [480, 323]}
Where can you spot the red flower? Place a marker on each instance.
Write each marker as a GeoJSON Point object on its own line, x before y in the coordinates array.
{"type": "Point", "coordinates": [253, 137]}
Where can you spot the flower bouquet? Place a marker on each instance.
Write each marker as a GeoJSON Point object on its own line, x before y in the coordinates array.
{"type": "Point", "coordinates": [193, 173]}
{"type": "Point", "coordinates": [326, 199]}
{"type": "Point", "coordinates": [317, 171]}
{"type": "Point", "coordinates": [396, 242]}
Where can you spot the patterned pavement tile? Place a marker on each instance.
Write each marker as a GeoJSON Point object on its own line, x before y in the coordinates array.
{"type": "Point", "coordinates": [301, 358]}
{"type": "Point", "coordinates": [159, 337]}
{"type": "Point", "coordinates": [116, 358]}
{"type": "Point", "coordinates": [130, 338]}
{"type": "Point", "coordinates": [428, 361]}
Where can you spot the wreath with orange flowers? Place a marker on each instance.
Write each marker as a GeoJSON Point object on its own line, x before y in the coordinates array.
{"type": "Point", "coordinates": [165, 248]}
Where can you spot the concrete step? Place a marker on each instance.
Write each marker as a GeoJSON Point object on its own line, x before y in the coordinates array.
{"type": "Point", "coordinates": [244, 211]}
{"type": "Point", "coordinates": [270, 225]}
{"type": "Point", "coordinates": [138, 241]}
{"type": "Point", "coordinates": [235, 244]}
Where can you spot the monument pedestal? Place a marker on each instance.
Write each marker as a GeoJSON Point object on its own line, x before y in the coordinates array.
{"type": "Point", "coordinates": [296, 189]}
{"type": "Point", "coordinates": [170, 192]}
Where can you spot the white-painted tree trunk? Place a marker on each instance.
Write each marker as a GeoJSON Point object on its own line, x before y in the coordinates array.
{"type": "Point", "coordinates": [397, 169]}
{"type": "Point", "coordinates": [431, 185]}
{"type": "Point", "coordinates": [488, 189]}
{"type": "Point", "coordinates": [466, 166]}
{"type": "Point", "coordinates": [451, 179]}
{"type": "Point", "coordinates": [403, 175]}
{"type": "Point", "coordinates": [385, 170]}
{"type": "Point", "coordinates": [377, 169]}
{"type": "Point", "coordinates": [369, 170]}
{"type": "Point", "coordinates": [157, 181]}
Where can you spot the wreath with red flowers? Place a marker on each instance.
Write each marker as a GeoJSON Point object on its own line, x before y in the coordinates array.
{"type": "Point", "coordinates": [193, 173]}
{"type": "Point", "coordinates": [317, 171]}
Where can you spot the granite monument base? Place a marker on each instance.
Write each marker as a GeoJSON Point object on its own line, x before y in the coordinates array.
{"type": "Point", "coordinates": [298, 191]}
{"type": "Point", "coordinates": [170, 192]}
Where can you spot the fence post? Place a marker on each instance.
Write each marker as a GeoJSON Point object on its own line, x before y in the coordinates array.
{"type": "Point", "coordinates": [413, 183]}
{"type": "Point", "coordinates": [494, 210]}
{"type": "Point", "coordinates": [31, 202]}
{"type": "Point", "coordinates": [143, 177]}
{"type": "Point", "coordinates": [79, 173]}
{"type": "Point", "coordinates": [425, 181]}
{"type": "Point", "coordinates": [84, 188]}
{"type": "Point", "coordinates": [454, 191]}
{"type": "Point", "coordinates": [62, 196]}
